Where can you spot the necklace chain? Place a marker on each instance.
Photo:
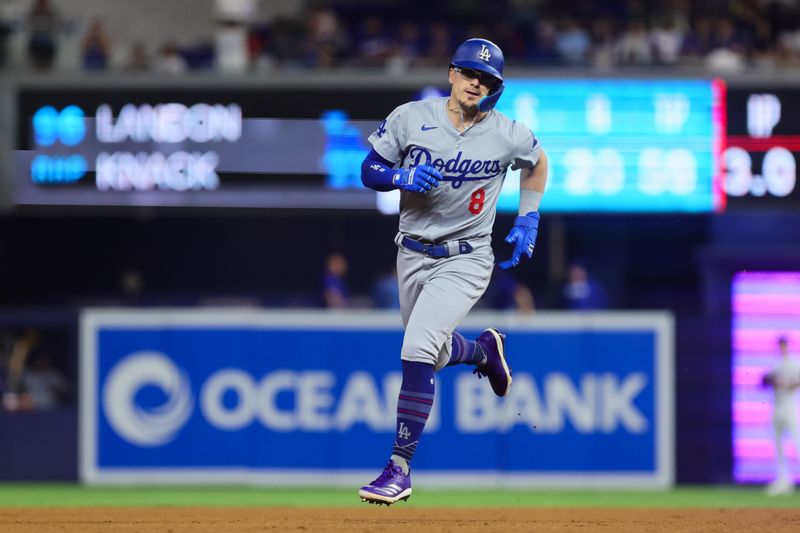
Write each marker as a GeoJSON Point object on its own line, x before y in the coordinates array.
{"type": "Point", "coordinates": [461, 116]}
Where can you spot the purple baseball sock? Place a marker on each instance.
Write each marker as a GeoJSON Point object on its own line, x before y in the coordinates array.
{"type": "Point", "coordinates": [413, 408]}
{"type": "Point", "coordinates": [465, 352]}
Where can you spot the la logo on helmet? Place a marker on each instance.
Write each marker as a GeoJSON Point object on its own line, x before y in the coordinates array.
{"type": "Point", "coordinates": [485, 55]}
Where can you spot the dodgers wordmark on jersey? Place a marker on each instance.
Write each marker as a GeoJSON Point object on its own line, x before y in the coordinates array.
{"type": "Point", "coordinates": [473, 164]}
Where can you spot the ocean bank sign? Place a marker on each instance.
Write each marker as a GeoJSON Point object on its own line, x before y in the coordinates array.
{"type": "Point", "coordinates": [310, 397]}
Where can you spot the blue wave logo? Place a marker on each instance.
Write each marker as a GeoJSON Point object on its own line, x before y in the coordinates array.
{"type": "Point", "coordinates": [138, 424]}
{"type": "Point", "coordinates": [67, 126]}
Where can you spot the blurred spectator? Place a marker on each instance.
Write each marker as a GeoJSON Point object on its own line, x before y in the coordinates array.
{"type": "Point", "coordinates": [726, 57]}
{"type": "Point", "coordinates": [235, 10]}
{"type": "Point", "coordinates": [96, 47]}
{"type": "Point", "coordinates": [726, 35]}
{"type": "Point", "coordinates": [633, 47]}
{"type": "Point", "coordinates": [789, 40]}
{"type": "Point", "coordinates": [286, 43]}
{"type": "Point", "coordinates": [29, 381]}
{"type": "Point", "coordinates": [386, 291]}
{"type": "Point", "coordinates": [45, 386]}
{"type": "Point", "coordinates": [169, 59]}
{"type": "Point", "coordinates": [374, 45]}
{"type": "Point", "coordinates": [326, 39]}
{"type": "Point", "coordinates": [407, 50]}
{"type": "Point", "coordinates": [603, 43]}
{"type": "Point", "coordinates": [724, 61]}
{"type": "Point", "coordinates": [699, 41]}
{"type": "Point", "coordinates": [138, 59]}
{"type": "Point", "coordinates": [231, 47]}
{"type": "Point", "coordinates": [581, 292]}
{"type": "Point", "coordinates": [667, 40]}
{"type": "Point", "coordinates": [543, 51]}
{"type": "Point", "coordinates": [14, 397]}
{"type": "Point", "coordinates": [231, 39]}
{"type": "Point", "coordinates": [335, 294]}
{"type": "Point", "coordinates": [410, 39]}
{"type": "Point", "coordinates": [572, 42]}
{"type": "Point", "coordinates": [506, 293]}
{"type": "Point", "coordinates": [44, 24]}
{"type": "Point", "coordinates": [510, 38]}
{"type": "Point", "coordinates": [762, 53]}
{"type": "Point", "coordinates": [440, 48]}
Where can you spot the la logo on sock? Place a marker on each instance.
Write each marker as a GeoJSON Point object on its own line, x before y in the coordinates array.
{"type": "Point", "coordinates": [403, 433]}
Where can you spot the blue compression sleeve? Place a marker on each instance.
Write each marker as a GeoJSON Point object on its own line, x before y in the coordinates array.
{"type": "Point", "coordinates": [377, 172]}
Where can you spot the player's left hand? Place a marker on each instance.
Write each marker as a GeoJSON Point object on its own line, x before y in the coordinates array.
{"type": "Point", "coordinates": [523, 237]}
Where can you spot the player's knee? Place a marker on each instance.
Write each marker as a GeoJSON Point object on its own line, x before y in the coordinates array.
{"type": "Point", "coordinates": [418, 357]}
{"type": "Point", "coordinates": [429, 354]}
{"type": "Point", "coordinates": [424, 352]}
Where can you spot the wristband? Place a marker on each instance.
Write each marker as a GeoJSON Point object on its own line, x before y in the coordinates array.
{"type": "Point", "coordinates": [529, 201]}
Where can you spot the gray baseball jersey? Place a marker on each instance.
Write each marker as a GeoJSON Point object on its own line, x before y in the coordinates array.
{"type": "Point", "coordinates": [436, 294]}
{"type": "Point", "coordinates": [788, 370]}
{"type": "Point", "coordinates": [473, 164]}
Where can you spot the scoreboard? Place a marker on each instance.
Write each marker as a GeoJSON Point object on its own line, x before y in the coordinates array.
{"type": "Point", "coordinates": [625, 145]}
{"type": "Point", "coordinates": [763, 143]}
{"type": "Point", "coordinates": [614, 145]}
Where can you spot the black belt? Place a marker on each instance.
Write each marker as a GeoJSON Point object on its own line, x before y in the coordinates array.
{"type": "Point", "coordinates": [437, 251]}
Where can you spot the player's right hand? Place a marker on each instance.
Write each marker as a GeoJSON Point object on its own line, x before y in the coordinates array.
{"type": "Point", "coordinates": [418, 179]}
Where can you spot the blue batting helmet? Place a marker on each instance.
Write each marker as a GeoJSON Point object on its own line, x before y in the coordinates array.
{"type": "Point", "coordinates": [480, 54]}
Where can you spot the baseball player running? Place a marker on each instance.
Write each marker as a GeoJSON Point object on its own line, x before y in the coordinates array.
{"type": "Point", "coordinates": [449, 156]}
{"type": "Point", "coordinates": [784, 379]}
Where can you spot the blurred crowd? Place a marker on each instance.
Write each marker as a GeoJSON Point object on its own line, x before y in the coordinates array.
{"type": "Point", "coordinates": [29, 377]}
{"type": "Point", "coordinates": [726, 36]}
{"type": "Point", "coordinates": [579, 290]}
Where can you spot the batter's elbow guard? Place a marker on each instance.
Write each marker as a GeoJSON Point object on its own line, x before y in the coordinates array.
{"type": "Point", "coordinates": [488, 102]}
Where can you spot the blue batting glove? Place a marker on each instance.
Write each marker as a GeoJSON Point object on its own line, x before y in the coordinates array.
{"type": "Point", "coordinates": [418, 179]}
{"type": "Point", "coordinates": [523, 237]}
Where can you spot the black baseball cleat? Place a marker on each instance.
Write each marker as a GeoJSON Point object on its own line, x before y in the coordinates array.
{"type": "Point", "coordinates": [496, 368]}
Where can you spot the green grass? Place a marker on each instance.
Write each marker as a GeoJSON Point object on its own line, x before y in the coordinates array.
{"type": "Point", "coordinates": [68, 495]}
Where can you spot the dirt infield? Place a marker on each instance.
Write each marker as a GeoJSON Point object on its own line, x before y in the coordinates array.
{"type": "Point", "coordinates": [412, 520]}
